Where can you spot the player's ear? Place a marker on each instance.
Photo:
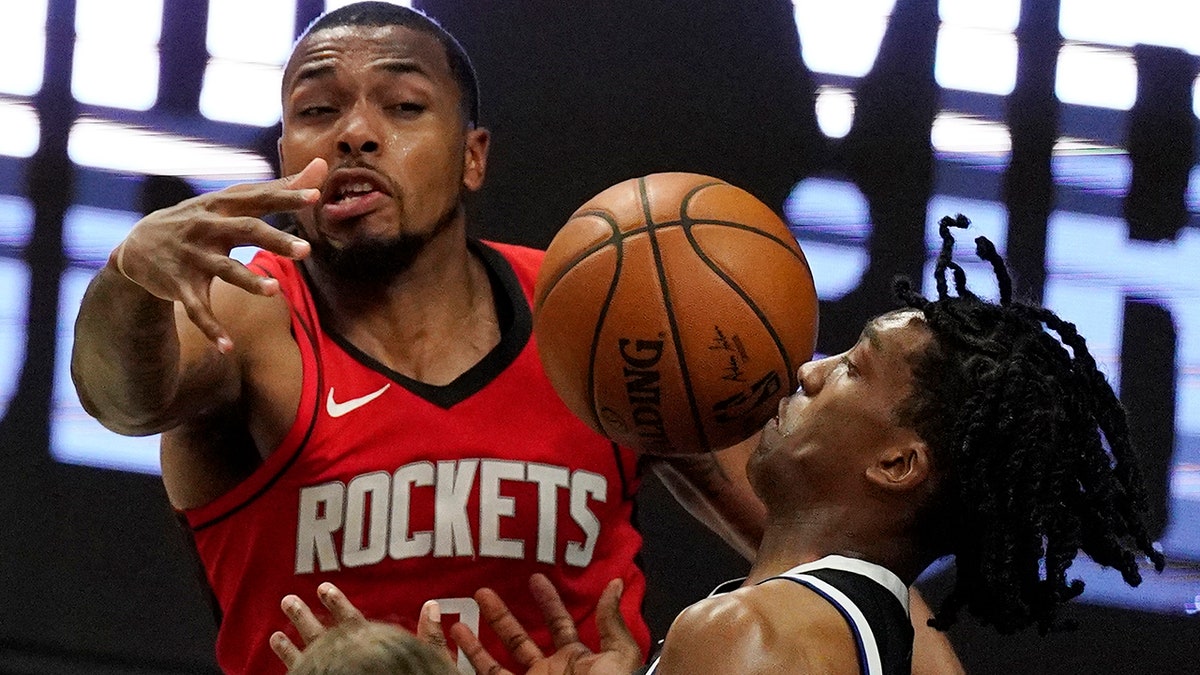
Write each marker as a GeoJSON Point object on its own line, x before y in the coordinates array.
{"type": "Point", "coordinates": [901, 467]}
{"type": "Point", "coordinates": [475, 154]}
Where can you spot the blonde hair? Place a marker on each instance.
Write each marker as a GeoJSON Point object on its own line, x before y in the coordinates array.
{"type": "Point", "coordinates": [371, 648]}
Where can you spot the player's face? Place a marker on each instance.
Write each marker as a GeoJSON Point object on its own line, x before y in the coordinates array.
{"type": "Point", "coordinates": [843, 414]}
{"type": "Point", "coordinates": [382, 107]}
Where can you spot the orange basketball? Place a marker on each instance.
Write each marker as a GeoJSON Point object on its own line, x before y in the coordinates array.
{"type": "Point", "coordinates": [672, 312]}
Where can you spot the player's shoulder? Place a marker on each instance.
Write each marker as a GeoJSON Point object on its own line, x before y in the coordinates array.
{"type": "Point", "coordinates": [728, 630]}
{"type": "Point", "coordinates": [761, 629]}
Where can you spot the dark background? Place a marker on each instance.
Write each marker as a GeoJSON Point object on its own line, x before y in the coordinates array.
{"type": "Point", "coordinates": [97, 576]}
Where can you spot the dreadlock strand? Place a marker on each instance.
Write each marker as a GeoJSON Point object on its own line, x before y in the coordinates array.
{"type": "Point", "coordinates": [986, 250]}
{"type": "Point", "coordinates": [902, 287]}
{"type": "Point", "coordinates": [944, 256]}
{"type": "Point", "coordinates": [960, 280]}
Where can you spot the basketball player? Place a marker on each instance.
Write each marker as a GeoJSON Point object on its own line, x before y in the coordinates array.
{"type": "Point", "coordinates": [953, 427]}
{"type": "Point", "coordinates": [372, 414]}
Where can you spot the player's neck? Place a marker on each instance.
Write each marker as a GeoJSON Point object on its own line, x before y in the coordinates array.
{"type": "Point", "coordinates": [828, 531]}
{"type": "Point", "coordinates": [432, 322]}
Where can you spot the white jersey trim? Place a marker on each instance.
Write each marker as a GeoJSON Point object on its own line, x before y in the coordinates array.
{"type": "Point", "coordinates": [877, 573]}
{"type": "Point", "coordinates": [862, 628]}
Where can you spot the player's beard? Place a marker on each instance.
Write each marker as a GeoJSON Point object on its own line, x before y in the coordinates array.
{"type": "Point", "coordinates": [372, 261]}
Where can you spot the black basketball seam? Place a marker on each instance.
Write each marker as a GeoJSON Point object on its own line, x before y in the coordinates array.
{"type": "Point", "coordinates": [570, 265]}
{"type": "Point", "coordinates": [612, 290]}
{"type": "Point", "coordinates": [686, 224]}
{"type": "Point", "coordinates": [697, 422]}
{"type": "Point", "coordinates": [619, 236]}
{"type": "Point", "coordinates": [798, 255]}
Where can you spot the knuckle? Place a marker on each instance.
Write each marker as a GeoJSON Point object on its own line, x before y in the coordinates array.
{"type": "Point", "coordinates": [513, 642]}
{"type": "Point", "coordinates": [435, 638]}
{"type": "Point", "coordinates": [243, 227]}
{"type": "Point", "coordinates": [228, 269]}
{"type": "Point", "coordinates": [219, 201]}
{"type": "Point", "coordinates": [195, 313]}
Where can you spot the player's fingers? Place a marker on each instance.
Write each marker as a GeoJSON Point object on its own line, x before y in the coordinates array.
{"type": "Point", "coordinates": [199, 311]}
{"type": "Point", "coordinates": [344, 612]}
{"type": "Point", "coordinates": [506, 626]}
{"type": "Point", "coordinates": [306, 623]}
{"type": "Point", "coordinates": [469, 644]}
{"type": "Point", "coordinates": [306, 182]}
{"type": "Point", "coordinates": [285, 649]}
{"type": "Point", "coordinates": [614, 633]}
{"type": "Point", "coordinates": [289, 193]}
{"type": "Point", "coordinates": [562, 626]}
{"type": "Point", "coordinates": [234, 272]}
{"type": "Point", "coordinates": [259, 199]}
{"type": "Point", "coordinates": [429, 627]}
{"type": "Point", "coordinates": [248, 231]}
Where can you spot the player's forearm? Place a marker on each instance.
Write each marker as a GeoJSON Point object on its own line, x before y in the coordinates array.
{"type": "Point", "coordinates": [718, 496]}
{"type": "Point", "coordinates": [126, 355]}
{"type": "Point", "coordinates": [933, 654]}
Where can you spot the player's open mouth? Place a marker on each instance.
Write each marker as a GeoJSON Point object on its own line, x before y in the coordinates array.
{"type": "Point", "coordinates": [352, 193]}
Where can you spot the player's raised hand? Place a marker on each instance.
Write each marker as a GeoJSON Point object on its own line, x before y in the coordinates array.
{"type": "Point", "coordinates": [176, 252]}
{"type": "Point", "coordinates": [619, 653]}
{"type": "Point", "coordinates": [308, 625]}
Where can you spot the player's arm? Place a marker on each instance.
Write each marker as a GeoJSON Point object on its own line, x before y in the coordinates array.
{"type": "Point", "coordinates": [713, 487]}
{"type": "Point", "coordinates": [149, 348]}
{"type": "Point", "coordinates": [932, 652]}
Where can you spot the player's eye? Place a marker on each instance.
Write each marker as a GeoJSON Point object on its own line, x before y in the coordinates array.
{"type": "Point", "coordinates": [409, 108]}
{"type": "Point", "coordinates": [316, 111]}
{"type": "Point", "coordinates": [845, 362]}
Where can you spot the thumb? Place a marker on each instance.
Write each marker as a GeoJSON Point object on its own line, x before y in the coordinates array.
{"type": "Point", "coordinates": [429, 627]}
{"type": "Point", "coordinates": [614, 634]}
{"type": "Point", "coordinates": [311, 176]}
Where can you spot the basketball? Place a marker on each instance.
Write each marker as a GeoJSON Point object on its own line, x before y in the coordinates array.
{"type": "Point", "coordinates": [672, 311]}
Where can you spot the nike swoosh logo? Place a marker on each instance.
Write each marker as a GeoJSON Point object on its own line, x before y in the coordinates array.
{"type": "Point", "coordinates": [336, 409]}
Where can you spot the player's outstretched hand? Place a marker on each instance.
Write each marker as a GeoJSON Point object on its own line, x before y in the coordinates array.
{"type": "Point", "coordinates": [309, 627]}
{"type": "Point", "coordinates": [174, 253]}
{"type": "Point", "coordinates": [619, 653]}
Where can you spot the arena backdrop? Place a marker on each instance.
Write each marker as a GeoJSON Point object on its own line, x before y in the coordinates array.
{"type": "Point", "coordinates": [1065, 129]}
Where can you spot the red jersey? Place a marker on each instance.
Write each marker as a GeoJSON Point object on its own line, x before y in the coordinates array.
{"type": "Point", "coordinates": [401, 492]}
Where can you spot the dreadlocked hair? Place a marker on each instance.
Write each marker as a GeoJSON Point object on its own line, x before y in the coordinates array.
{"type": "Point", "coordinates": [1032, 448]}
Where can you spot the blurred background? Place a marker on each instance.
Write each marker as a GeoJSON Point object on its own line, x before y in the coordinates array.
{"type": "Point", "coordinates": [1065, 129]}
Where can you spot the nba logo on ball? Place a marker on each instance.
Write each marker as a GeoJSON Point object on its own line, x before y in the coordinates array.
{"type": "Point", "coordinates": [672, 311]}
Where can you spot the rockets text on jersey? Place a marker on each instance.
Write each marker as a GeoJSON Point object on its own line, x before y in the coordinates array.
{"type": "Point", "coordinates": [372, 513]}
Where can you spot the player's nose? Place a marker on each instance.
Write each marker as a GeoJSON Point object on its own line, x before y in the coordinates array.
{"type": "Point", "coordinates": [812, 377]}
{"type": "Point", "coordinates": [358, 132]}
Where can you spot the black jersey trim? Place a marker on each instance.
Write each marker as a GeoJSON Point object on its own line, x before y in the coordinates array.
{"type": "Point", "coordinates": [516, 327]}
{"type": "Point", "coordinates": [889, 622]}
{"type": "Point", "coordinates": [312, 339]}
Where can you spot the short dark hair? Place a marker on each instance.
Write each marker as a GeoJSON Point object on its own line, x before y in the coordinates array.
{"type": "Point", "coordinates": [1031, 448]}
{"type": "Point", "coordinates": [387, 14]}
